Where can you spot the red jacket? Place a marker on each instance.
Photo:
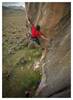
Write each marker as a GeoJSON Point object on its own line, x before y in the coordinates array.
{"type": "Point", "coordinates": [34, 32]}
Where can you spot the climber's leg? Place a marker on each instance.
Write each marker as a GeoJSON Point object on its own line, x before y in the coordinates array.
{"type": "Point", "coordinates": [36, 42]}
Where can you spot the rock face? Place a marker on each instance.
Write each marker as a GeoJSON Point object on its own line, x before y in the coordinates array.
{"type": "Point", "coordinates": [54, 19]}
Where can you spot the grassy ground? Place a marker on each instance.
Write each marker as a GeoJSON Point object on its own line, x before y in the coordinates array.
{"type": "Point", "coordinates": [19, 78]}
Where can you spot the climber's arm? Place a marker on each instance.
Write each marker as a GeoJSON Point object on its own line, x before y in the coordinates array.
{"type": "Point", "coordinates": [44, 37]}
{"type": "Point", "coordinates": [30, 22]}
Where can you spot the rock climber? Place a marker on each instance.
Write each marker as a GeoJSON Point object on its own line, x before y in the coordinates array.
{"type": "Point", "coordinates": [36, 34]}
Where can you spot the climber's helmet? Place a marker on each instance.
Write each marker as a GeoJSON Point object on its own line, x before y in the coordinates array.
{"type": "Point", "coordinates": [38, 27]}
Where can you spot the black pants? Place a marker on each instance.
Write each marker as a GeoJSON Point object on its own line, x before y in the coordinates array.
{"type": "Point", "coordinates": [36, 40]}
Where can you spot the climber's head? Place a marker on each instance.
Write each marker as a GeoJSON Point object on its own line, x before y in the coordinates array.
{"type": "Point", "coordinates": [38, 27]}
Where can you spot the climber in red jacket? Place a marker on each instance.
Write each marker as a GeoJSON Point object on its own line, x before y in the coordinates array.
{"type": "Point", "coordinates": [36, 34]}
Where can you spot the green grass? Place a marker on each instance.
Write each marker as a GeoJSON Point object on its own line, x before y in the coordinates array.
{"type": "Point", "coordinates": [23, 77]}
{"type": "Point", "coordinates": [22, 81]}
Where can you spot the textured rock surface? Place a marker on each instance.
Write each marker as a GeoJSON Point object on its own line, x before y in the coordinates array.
{"type": "Point", "coordinates": [54, 19]}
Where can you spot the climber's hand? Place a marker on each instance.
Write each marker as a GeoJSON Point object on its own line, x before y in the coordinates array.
{"type": "Point", "coordinates": [29, 20]}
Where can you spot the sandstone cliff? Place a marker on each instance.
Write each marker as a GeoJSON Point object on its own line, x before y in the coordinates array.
{"type": "Point", "coordinates": [54, 19]}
